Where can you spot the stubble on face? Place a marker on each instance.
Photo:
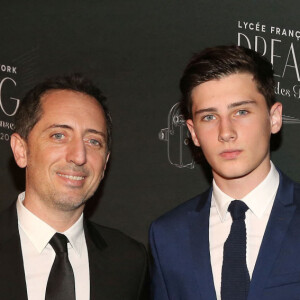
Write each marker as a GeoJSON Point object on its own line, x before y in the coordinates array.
{"type": "Point", "coordinates": [59, 200]}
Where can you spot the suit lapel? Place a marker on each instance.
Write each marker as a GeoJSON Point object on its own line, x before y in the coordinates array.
{"type": "Point", "coordinates": [12, 274]}
{"type": "Point", "coordinates": [97, 263]}
{"type": "Point", "coordinates": [199, 240]}
{"type": "Point", "coordinates": [281, 215]}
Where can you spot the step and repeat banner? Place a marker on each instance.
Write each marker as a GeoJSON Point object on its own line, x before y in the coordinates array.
{"type": "Point", "coordinates": [136, 52]}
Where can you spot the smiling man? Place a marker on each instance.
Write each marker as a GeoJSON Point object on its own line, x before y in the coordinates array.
{"type": "Point", "coordinates": [48, 250]}
{"type": "Point", "coordinates": [240, 239]}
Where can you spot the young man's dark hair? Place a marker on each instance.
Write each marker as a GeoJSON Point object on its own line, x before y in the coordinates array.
{"type": "Point", "coordinates": [30, 110]}
{"type": "Point", "coordinates": [221, 61]}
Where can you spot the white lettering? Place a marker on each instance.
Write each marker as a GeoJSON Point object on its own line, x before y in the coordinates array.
{"type": "Point", "coordinates": [257, 38]}
{"type": "Point", "coordinates": [17, 100]}
{"type": "Point", "coordinates": [273, 54]}
{"type": "Point", "coordinates": [294, 65]}
{"type": "Point", "coordinates": [8, 69]}
{"type": "Point", "coordinates": [239, 39]}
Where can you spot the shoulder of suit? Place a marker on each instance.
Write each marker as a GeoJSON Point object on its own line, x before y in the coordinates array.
{"type": "Point", "coordinates": [8, 222]}
{"type": "Point", "coordinates": [297, 190]}
{"type": "Point", "coordinates": [295, 185]}
{"type": "Point", "coordinates": [115, 238]}
{"type": "Point", "coordinates": [181, 212]}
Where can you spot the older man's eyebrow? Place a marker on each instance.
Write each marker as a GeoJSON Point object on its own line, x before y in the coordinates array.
{"type": "Point", "coordinates": [65, 126]}
{"type": "Point", "coordinates": [96, 132]}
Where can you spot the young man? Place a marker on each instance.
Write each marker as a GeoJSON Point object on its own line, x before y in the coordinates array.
{"type": "Point", "coordinates": [48, 250]}
{"type": "Point", "coordinates": [213, 247]}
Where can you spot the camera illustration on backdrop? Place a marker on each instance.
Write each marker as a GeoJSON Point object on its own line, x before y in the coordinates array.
{"type": "Point", "coordinates": [290, 120]}
{"type": "Point", "coordinates": [177, 137]}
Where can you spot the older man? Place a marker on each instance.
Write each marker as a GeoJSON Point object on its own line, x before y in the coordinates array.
{"type": "Point", "coordinates": [48, 250]}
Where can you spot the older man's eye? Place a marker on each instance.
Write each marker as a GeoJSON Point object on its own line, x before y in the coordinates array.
{"type": "Point", "coordinates": [95, 142]}
{"type": "Point", "coordinates": [58, 136]}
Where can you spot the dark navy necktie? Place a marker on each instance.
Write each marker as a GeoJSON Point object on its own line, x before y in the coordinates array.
{"type": "Point", "coordinates": [235, 275]}
{"type": "Point", "coordinates": [61, 283]}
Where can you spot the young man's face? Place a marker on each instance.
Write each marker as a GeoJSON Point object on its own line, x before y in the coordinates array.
{"type": "Point", "coordinates": [232, 124]}
{"type": "Point", "coordinates": [66, 152]}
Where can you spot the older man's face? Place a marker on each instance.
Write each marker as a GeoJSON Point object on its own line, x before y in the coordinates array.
{"type": "Point", "coordinates": [66, 151]}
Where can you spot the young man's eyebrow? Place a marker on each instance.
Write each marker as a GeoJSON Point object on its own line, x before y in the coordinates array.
{"type": "Point", "coordinates": [244, 102]}
{"type": "Point", "coordinates": [232, 105]}
{"type": "Point", "coordinates": [205, 110]}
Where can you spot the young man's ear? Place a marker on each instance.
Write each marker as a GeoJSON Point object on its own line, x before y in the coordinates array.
{"type": "Point", "coordinates": [276, 117]}
{"type": "Point", "coordinates": [19, 149]}
{"type": "Point", "coordinates": [190, 125]}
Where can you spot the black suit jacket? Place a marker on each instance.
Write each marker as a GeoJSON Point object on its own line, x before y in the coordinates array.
{"type": "Point", "coordinates": [118, 264]}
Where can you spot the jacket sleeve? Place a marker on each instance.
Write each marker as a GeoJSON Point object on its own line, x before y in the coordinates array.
{"type": "Point", "coordinates": [144, 293]}
{"type": "Point", "coordinates": [158, 284]}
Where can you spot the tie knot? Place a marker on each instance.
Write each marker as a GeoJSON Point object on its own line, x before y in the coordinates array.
{"type": "Point", "coordinates": [59, 243]}
{"type": "Point", "coordinates": [237, 209]}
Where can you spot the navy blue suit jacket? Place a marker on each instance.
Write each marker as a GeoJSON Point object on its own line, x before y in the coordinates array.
{"type": "Point", "coordinates": [181, 259]}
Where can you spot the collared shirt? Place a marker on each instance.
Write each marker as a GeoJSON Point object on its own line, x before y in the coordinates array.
{"type": "Point", "coordinates": [38, 254]}
{"type": "Point", "coordinates": [260, 201]}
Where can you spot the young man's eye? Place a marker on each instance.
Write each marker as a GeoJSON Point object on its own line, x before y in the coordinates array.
{"type": "Point", "coordinates": [242, 112]}
{"type": "Point", "coordinates": [208, 118]}
{"type": "Point", "coordinates": [58, 136]}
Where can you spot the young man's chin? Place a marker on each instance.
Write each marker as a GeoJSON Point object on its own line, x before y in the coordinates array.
{"type": "Point", "coordinates": [231, 173]}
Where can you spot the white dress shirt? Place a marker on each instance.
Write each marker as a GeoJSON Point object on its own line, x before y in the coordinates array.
{"type": "Point", "coordinates": [260, 202]}
{"type": "Point", "coordinates": [38, 254]}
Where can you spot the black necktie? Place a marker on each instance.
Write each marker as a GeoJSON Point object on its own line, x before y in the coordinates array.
{"type": "Point", "coordinates": [61, 283]}
{"type": "Point", "coordinates": [235, 275]}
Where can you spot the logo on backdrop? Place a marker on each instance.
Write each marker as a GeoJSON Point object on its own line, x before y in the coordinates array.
{"type": "Point", "coordinates": [9, 102]}
{"type": "Point", "coordinates": [14, 83]}
{"type": "Point", "coordinates": [281, 46]}
{"type": "Point", "coordinates": [177, 137]}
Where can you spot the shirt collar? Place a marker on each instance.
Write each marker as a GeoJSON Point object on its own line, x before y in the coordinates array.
{"type": "Point", "coordinates": [257, 200]}
{"type": "Point", "coordinates": [40, 233]}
